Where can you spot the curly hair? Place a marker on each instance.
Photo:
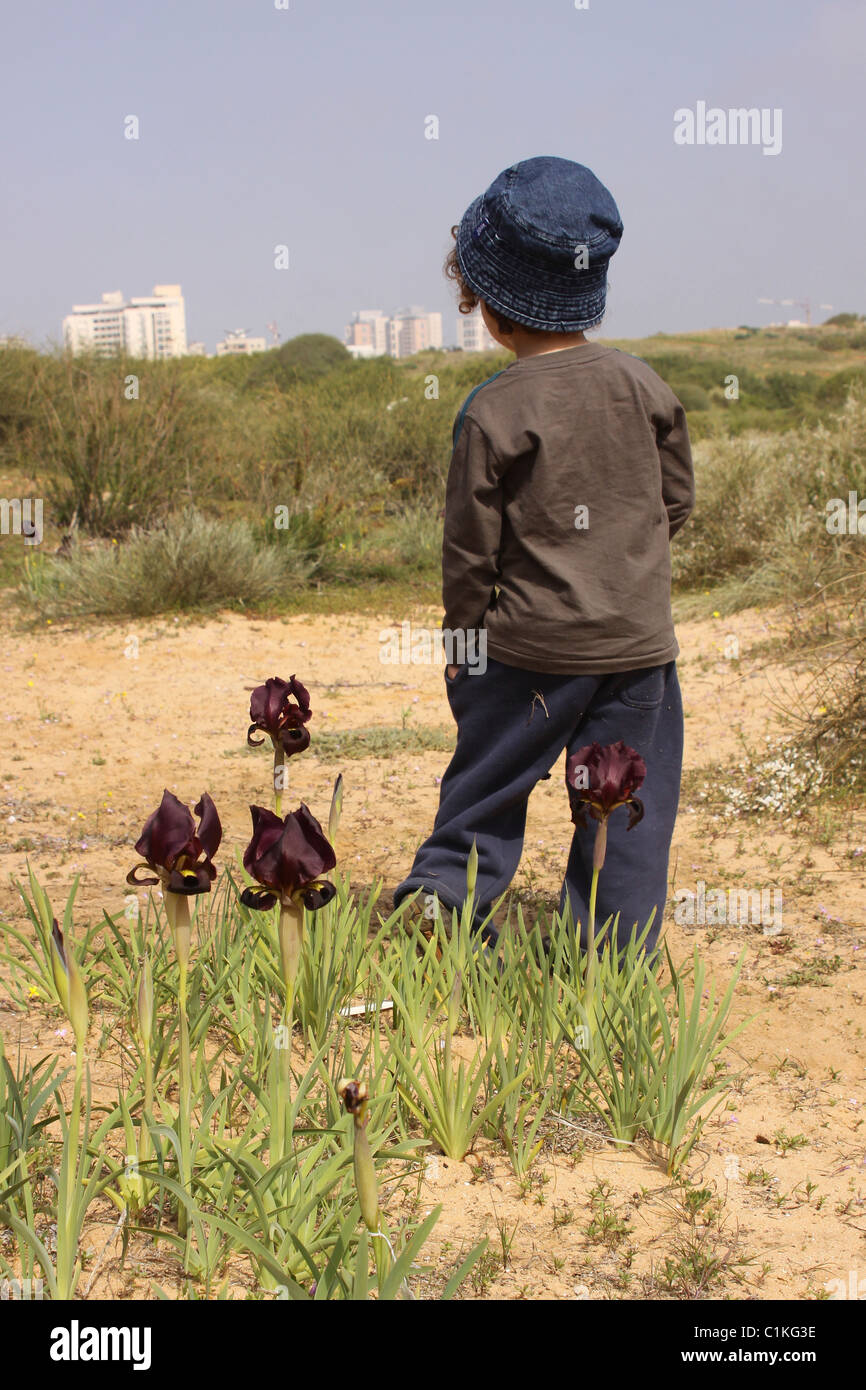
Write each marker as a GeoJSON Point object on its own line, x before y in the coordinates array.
{"type": "Point", "coordinates": [468, 299]}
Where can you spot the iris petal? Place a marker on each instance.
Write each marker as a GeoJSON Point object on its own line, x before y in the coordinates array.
{"type": "Point", "coordinates": [317, 895]}
{"type": "Point", "coordinates": [252, 897]}
{"type": "Point", "coordinates": [166, 832]}
{"type": "Point", "coordinates": [210, 831]}
{"type": "Point", "coordinates": [173, 848]}
{"type": "Point", "coordinates": [294, 739]}
{"type": "Point", "coordinates": [188, 881]}
{"type": "Point", "coordinates": [131, 876]}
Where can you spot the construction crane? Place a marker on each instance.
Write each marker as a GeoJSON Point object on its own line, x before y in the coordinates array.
{"type": "Point", "coordinates": [800, 304]}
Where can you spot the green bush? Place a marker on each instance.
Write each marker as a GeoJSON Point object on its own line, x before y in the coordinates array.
{"type": "Point", "coordinates": [304, 358]}
{"type": "Point", "coordinates": [835, 389]}
{"type": "Point", "coordinates": [841, 342]}
{"type": "Point", "coordinates": [185, 564]}
{"type": "Point", "coordinates": [356, 453]}
{"type": "Point", "coordinates": [19, 375]}
{"type": "Point", "coordinates": [691, 397]}
{"type": "Point", "coordinates": [760, 515]}
{"type": "Point", "coordinates": [120, 442]}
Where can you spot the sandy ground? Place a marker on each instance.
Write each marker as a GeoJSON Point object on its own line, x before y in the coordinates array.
{"type": "Point", "coordinates": [96, 722]}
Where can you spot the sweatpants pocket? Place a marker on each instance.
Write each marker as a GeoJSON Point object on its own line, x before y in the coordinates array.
{"type": "Point", "coordinates": [644, 689]}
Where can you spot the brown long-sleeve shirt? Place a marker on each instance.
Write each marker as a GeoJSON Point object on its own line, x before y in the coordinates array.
{"type": "Point", "coordinates": [571, 471]}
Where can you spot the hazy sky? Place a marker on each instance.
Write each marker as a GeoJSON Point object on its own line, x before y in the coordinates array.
{"type": "Point", "coordinates": [306, 127]}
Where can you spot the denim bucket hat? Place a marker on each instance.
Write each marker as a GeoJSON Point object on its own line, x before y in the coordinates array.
{"type": "Point", "coordinates": [536, 245]}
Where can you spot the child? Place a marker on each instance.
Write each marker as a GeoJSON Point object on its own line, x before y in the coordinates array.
{"type": "Point", "coordinates": [570, 473]}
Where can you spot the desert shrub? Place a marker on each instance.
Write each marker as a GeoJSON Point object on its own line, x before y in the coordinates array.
{"type": "Point", "coordinates": [691, 397]}
{"type": "Point", "coordinates": [770, 400]}
{"type": "Point", "coordinates": [835, 389]}
{"type": "Point", "coordinates": [304, 358]}
{"type": "Point", "coordinates": [107, 462]}
{"type": "Point", "coordinates": [840, 342]}
{"type": "Point", "coordinates": [188, 562]}
{"type": "Point", "coordinates": [362, 437]}
{"type": "Point", "coordinates": [822, 748]}
{"type": "Point", "coordinates": [19, 372]}
{"type": "Point", "coordinates": [782, 390]}
{"type": "Point", "coordinates": [404, 546]}
{"type": "Point", "coordinates": [833, 733]}
{"type": "Point", "coordinates": [356, 453]}
{"type": "Point", "coordinates": [761, 512]}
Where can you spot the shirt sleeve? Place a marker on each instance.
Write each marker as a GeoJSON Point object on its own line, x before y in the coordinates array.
{"type": "Point", "coordinates": [473, 529]}
{"type": "Point", "coordinates": [678, 478]}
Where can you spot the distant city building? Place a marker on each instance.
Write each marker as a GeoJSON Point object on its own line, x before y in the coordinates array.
{"type": "Point", "coordinates": [196, 350]}
{"type": "Point", "coordinates": [411, 330]}
{"type": "Point", "coordinates": [151, 326]}
{"type": "Point", "coordinates": [472, 334]}
{"type": "Point", "coordinates": [237, 343]}
{"type": "Point", "coordinates": [367, 334]}
{"type": "Point", "coordinates": [374, 334]}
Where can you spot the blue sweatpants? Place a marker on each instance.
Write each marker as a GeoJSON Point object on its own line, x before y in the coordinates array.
{"type": "Point", "coordinates": [512, 726]}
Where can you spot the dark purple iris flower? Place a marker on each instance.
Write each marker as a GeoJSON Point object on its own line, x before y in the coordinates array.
{"type": "Point", "coordinates": [281, 709]}
{"type": "Point", "coordinates": [613, 773]}
{"type": "Point", "coordinates": [179, 854]}
{"type": "Point", "coordinates": [288, 858]}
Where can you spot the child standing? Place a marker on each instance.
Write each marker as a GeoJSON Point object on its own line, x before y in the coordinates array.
{"type": "Point", "coordinates": [571, 472]}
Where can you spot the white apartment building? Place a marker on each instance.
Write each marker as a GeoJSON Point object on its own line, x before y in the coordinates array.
{"type": "Point", "coordinates": [472, 334]}
{"type": "Point", "coordinates": [411, 330]}
{"type": "Point", "coordinates": [237, 343]}
{"type": "Point", "coordinates": [150, 326]}
{"type": "Point", "coordinates": [367, 334]}
{"type": "Point", "coordinates": [374, 334]}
